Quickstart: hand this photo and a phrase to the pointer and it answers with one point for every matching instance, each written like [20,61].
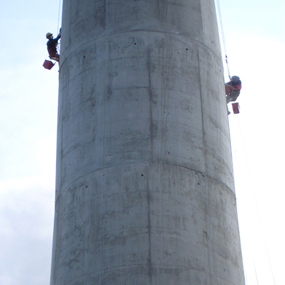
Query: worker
[233,89]
[52,46]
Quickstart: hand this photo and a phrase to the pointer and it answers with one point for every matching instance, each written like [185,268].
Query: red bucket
[235,108]
[48,64]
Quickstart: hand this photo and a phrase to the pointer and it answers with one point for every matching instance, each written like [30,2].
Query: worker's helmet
[236,82]
[48,35]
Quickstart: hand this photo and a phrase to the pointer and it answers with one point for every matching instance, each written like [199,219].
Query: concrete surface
[144,188]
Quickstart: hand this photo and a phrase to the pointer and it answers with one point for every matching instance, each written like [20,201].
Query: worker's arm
[58,36]
[228,89]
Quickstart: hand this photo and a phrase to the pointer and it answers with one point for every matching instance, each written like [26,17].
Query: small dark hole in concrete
[135,43]
[142,175]
[186,48]
[84,56]
[198,183]
[86,186]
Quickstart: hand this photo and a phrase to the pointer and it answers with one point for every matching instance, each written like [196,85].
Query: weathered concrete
[144,190]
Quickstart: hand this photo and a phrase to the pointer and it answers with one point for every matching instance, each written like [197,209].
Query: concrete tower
[144,187]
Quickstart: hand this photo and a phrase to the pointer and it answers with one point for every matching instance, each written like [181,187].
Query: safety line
[256,205]
[220,22]
[58,18]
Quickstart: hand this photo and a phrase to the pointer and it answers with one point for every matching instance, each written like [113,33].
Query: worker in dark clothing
[233,89]
[52,46]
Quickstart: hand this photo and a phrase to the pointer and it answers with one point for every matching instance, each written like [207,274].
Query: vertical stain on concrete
[150,92]
[149,262]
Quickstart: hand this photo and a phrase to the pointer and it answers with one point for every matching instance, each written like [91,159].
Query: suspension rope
[252,188]
[252,192]
[58,18]
[58,21]
[223,36]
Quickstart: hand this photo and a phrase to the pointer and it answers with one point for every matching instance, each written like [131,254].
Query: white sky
[255,42]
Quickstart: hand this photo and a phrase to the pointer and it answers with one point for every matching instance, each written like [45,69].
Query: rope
[58,20]
[252,188]
[252,192]
[58,17]
[228,68]
[223,36]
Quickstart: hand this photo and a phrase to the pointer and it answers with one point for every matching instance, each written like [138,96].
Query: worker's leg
[234,94]
[228,98]
[54,57]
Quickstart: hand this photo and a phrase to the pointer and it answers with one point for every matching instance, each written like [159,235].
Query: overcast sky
[255,42]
